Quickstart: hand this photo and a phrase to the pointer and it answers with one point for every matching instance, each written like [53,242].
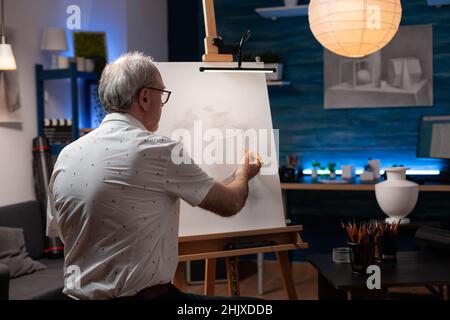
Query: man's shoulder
[162,148]
[77,144]
[156,139]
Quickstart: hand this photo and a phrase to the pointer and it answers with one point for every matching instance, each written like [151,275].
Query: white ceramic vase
[397,196]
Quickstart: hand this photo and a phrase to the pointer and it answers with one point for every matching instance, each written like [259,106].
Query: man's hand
[228,199]
[250,167]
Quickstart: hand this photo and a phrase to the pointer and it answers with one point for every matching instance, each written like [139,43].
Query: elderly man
[114,193]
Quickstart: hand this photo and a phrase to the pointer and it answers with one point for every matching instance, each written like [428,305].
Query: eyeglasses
[165,94]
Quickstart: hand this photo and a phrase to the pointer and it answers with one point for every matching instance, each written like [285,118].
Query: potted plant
[316,166]
[332,168]
[271,60]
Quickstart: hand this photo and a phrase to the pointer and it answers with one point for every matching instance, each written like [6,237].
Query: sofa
[46,284]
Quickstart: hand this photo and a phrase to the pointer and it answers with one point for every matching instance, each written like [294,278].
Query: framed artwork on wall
[399,75]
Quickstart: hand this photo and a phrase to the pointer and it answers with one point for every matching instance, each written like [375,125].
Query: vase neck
[399,175]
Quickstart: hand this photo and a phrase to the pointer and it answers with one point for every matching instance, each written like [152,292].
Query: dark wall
[183,29]
[345,136]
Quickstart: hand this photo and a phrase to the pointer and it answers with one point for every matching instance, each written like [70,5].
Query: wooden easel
[211,51]
[213,246]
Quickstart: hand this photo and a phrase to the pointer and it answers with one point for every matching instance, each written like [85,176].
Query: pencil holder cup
[361,256]
[387,248]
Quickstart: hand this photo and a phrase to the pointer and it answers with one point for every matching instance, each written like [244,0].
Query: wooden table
[412,269]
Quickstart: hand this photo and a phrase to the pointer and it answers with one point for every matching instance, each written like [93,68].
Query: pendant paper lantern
[354,28]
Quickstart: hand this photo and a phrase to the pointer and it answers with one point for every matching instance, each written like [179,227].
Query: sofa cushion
[41,285]
[28,216]
[14,254]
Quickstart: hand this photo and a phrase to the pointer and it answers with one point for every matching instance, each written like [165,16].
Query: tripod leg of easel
[286,274]
[233,276]
[178,280]
[210,277]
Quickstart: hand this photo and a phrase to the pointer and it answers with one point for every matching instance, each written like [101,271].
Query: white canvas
[223,101]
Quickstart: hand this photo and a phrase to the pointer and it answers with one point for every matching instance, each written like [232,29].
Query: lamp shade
[354,28]
[7,61]
[54,39]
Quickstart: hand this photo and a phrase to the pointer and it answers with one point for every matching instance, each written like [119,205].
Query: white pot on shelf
[89,65]
[397,196]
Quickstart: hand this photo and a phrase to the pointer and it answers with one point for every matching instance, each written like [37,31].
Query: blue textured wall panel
[345,136]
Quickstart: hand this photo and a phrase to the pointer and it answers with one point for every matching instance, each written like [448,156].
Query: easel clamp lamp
[217,51]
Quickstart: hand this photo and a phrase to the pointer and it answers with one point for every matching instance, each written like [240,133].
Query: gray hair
[122,78]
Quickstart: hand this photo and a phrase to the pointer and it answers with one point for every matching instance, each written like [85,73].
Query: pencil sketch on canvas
[208,107]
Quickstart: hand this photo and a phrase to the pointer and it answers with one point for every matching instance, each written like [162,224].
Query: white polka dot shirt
[114,201]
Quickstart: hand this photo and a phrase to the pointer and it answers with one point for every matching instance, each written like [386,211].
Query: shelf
[56,74]
[278,83]
[77,79]
[282,12]
[57,148]
[86,130]
[309,184]
[354,187]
